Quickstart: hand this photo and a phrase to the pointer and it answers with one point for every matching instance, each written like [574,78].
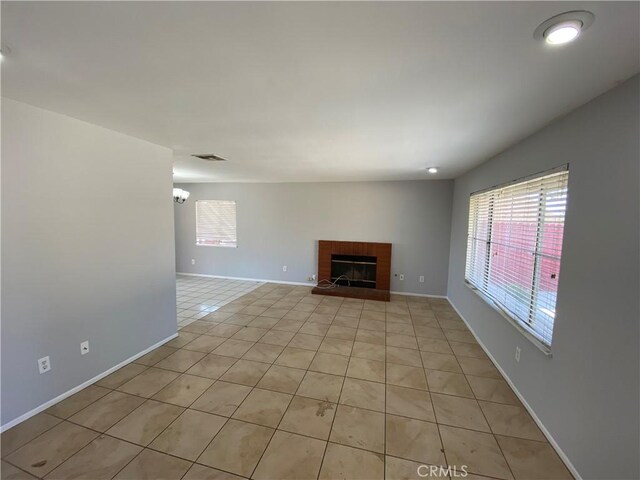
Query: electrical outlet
[311,278]
[193,261]
[44,364]
[401,276]
[84,347]
[518,354]
[284,268]
[421,278]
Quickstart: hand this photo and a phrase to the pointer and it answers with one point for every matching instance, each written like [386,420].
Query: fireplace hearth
[354,269]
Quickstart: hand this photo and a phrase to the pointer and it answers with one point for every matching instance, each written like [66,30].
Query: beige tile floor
[282,384]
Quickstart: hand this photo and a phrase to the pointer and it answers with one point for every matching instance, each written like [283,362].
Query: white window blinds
[514,248]
[216,223]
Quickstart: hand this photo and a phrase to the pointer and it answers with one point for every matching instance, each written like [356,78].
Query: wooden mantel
[382,253]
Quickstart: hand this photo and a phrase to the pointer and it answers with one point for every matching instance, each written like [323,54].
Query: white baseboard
[419,295]
[306,284]
[544,430]
[263,280]
[68,393]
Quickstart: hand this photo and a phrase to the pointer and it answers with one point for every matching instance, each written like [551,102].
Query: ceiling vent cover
[209,157]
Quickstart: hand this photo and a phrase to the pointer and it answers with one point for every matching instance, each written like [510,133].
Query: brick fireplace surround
[327,249]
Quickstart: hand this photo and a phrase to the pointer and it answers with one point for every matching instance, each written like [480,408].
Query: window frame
[516,322]
[235,221]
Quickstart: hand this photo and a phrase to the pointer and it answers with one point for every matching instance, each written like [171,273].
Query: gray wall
[281,223]
[586,394]
[87,252]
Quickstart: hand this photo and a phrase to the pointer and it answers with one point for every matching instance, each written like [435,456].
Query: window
[514,249]
[216,223]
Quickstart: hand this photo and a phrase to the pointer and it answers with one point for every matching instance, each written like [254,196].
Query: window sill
[216,246]
[541,346]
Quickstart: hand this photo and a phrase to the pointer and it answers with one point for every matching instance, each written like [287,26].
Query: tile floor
[282,384]
[199,296]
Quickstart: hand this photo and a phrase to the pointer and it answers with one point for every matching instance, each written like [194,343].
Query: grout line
[22,469]
[335,414]
[433,408]
[384,458]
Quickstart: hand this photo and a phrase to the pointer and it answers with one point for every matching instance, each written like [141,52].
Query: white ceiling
[314,91]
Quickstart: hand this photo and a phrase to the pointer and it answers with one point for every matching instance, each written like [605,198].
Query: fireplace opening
[354,270]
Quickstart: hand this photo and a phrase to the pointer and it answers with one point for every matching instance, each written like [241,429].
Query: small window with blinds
[216,223]
[514,249]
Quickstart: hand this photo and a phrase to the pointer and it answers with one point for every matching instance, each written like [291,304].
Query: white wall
[87,252]
[281,223]
[587,393]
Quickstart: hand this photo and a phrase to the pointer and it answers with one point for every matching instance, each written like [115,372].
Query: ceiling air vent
[210,157]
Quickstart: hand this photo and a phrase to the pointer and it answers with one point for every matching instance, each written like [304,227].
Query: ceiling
[314,91]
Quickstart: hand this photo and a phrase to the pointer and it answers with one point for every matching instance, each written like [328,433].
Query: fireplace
[354,269]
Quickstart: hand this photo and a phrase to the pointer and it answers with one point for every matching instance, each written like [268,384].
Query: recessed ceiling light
[564,28]
[432,170]
[564,32]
